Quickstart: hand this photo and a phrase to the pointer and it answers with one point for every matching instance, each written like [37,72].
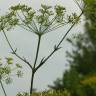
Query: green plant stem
[3,88]
[38,47]
[32,79]
[33,71]
[13,51]
[70,29]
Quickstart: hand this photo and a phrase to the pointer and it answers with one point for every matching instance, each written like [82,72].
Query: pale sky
[26,44]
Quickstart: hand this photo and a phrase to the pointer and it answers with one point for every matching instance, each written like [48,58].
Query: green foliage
[9,69]
[23,94]
[82,58]
[47,93]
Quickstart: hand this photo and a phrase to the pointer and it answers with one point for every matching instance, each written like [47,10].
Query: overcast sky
[26,43]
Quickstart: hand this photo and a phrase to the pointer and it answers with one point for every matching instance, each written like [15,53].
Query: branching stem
[58,45]
[14,52]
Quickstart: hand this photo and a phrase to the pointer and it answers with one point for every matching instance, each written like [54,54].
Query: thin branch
[43,61]
[57,47]
[50,23]
[78,5]
[35,26]
[40,27]
[69,29]
[22,26]
[3,88]
[31,87]
[30,23]
[38,47]
[26,24]
[55,27]
[14,52]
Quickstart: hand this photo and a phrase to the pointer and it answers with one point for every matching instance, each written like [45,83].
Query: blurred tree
[82,58]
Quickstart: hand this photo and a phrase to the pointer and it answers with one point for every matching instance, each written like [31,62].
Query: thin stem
[69,29]
[51,22]
[3,88]
[38,47]
[33,71]
[57,47]
[30,24]
[78,5]
[32,79]
[56,27]
[14,52]
[41,63]
[26,25]
[8,41]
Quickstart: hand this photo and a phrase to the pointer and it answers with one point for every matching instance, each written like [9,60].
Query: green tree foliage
[85,53]
[82,58]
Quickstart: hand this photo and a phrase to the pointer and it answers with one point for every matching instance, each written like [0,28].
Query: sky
[26,43]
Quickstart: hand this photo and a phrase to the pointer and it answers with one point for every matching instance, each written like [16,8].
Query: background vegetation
[79,80]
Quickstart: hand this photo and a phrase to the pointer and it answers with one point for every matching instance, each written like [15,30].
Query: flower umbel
[8,69]
[43,21]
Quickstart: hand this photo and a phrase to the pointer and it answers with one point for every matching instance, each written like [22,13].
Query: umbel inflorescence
[40,22]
